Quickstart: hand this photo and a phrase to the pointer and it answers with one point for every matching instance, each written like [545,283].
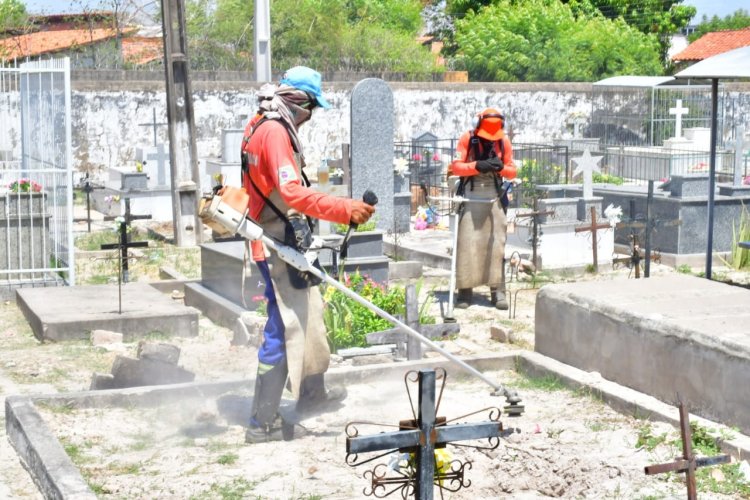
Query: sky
[710,8]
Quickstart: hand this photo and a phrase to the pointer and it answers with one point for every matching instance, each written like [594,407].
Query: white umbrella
[728,65]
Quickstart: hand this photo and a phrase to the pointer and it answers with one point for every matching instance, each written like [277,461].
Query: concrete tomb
[664,336]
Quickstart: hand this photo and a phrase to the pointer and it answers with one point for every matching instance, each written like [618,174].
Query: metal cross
[678,111]
[534,215]
[421,436]
[153,124]
[87,186]
[593,227]
[124,243]
[689,462]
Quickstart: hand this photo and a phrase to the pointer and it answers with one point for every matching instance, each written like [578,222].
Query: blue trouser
[272,366]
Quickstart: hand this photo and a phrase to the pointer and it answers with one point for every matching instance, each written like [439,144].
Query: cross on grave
[535,215]
[587,164]
[678,111]
[161,157]
[647,224]
[593,227]
[124,245]
[406,345]
[154,125]
[689,462]
[421,436]
[88,187]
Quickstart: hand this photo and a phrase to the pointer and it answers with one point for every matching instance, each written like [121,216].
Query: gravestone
[372,146]
[155,161]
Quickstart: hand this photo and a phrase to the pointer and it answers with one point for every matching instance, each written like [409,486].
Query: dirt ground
[566,444]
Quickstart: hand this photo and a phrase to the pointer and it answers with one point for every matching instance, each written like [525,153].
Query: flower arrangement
[24,186]
[336,172]
[400,166]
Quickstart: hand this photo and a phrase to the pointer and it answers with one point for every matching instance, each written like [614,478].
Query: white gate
[36,188]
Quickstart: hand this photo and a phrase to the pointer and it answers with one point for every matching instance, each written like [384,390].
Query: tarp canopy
[732,64]
[634,81]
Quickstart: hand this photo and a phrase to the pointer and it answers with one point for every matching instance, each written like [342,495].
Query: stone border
[58,478]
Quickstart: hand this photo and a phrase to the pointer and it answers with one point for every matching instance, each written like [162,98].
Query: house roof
[142,50]
[731,64]
[45,42]
[714,43]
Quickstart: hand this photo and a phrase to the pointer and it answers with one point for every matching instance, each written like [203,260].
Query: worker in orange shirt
[484,159]
[281,200]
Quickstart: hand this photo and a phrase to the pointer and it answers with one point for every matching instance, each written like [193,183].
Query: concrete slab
[57,477]
[665,336]
[68,313]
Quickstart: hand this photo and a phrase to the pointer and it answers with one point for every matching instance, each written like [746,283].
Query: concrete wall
[109,106]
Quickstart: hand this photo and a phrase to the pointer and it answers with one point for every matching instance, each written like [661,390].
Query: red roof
[142,50]
[714,43]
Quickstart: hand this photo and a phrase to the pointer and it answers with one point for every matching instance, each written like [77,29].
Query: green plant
[24,186]
[227,459]
[740,256]
[348,322]
[684,269]
[607,179]
[647,439]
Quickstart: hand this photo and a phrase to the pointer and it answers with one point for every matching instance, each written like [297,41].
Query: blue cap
[307,79]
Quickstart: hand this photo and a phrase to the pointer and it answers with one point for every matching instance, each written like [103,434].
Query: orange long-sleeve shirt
[272,166]
[465,164]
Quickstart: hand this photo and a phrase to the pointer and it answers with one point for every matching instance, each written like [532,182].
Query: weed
[590,269]
[237,489]
[227,459]
[548,383]
[684,269]
[647,439]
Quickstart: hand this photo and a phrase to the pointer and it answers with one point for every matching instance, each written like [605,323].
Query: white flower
[614,214]
[400,166]
[336,172]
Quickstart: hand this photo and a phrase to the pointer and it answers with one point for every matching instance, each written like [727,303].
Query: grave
[187,416]
[135,310]
[663,336]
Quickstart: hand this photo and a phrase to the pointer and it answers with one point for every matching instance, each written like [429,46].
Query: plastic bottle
[323,172]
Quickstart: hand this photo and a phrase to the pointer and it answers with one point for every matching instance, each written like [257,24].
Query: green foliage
[736,21]
[228,459]
[684,269]
[12,14]
[648,440]
[543,40]
[607,179]
[348,322]
[741,256]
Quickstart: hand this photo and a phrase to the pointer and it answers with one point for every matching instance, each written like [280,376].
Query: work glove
[491,165]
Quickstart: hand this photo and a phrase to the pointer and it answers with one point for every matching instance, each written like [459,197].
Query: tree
[736,21]
[12,15]
[542,40]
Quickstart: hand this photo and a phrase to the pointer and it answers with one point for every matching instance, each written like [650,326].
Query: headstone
[587,164]
[155,162]
[739,150]
[372,146]
[577,123]
[678,111]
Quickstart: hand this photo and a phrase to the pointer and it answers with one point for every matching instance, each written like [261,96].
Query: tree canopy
[543,40]
[12,14]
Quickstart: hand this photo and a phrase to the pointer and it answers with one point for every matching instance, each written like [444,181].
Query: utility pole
[262,31]
[188,228]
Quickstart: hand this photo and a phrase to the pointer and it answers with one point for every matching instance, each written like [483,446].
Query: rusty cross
[593,229]
[688,463]
[421,436]
[535,216]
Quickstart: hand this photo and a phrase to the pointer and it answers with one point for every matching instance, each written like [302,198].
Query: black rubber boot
[498,299]
[463,298]
[265,423]
[314,396]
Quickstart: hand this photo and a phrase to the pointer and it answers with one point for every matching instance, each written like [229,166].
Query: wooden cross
[688,463]
[593,227]
[420,436]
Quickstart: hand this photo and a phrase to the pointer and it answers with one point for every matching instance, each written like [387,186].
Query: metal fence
[36,189]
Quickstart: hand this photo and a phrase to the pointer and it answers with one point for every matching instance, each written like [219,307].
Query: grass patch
[547,383]
[237,489]
[227,459]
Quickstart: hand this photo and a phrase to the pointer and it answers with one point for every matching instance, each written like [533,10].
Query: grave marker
[421,436]
[593,227]
[125,244]
[153,125]
[689,461]
[587,164]
[372,146]
[739,149]
[678,111]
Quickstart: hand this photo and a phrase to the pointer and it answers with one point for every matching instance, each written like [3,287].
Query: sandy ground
[565,445]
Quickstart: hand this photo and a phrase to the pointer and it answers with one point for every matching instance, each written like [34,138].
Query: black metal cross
[88,187]
[535,214]
[688,463]
[421,436]
[154,125]
[593,227]
[125,244]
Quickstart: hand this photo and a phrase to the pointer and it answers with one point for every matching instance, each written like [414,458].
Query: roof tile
[714,43]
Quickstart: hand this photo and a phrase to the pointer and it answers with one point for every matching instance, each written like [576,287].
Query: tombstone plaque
[372,146]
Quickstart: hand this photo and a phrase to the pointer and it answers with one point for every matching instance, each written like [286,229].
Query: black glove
[491,165]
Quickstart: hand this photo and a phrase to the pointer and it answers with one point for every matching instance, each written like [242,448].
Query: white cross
[678,111]
[739,149]
[161,157]
[587,164]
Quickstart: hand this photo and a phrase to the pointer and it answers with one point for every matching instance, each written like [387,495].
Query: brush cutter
[227,213]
